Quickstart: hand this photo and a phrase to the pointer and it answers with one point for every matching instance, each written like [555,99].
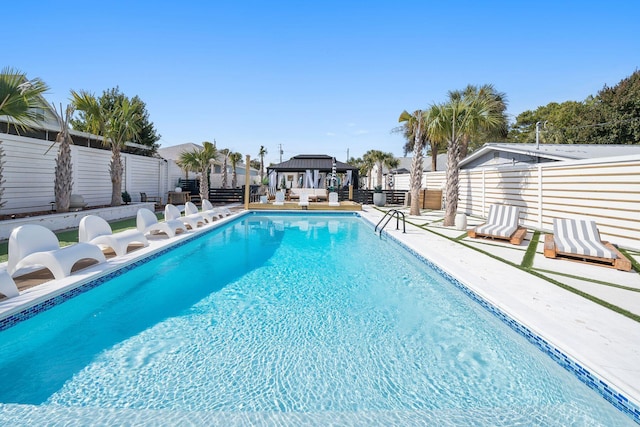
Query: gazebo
[311,171]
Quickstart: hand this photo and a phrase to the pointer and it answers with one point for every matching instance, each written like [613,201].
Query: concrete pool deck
[602,340]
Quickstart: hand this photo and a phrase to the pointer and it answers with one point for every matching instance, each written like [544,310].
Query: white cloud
[331,134]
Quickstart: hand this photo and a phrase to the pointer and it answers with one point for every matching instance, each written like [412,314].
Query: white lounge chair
[35,245]
[147,223]
[279,201]
[191,209]
[208,208]
[7,286]
[579,240]
[333,199]
[97,231]
[304,200]
[192,220]
[502,223]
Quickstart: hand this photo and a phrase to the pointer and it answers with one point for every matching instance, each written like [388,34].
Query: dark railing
[223,196]
[366,196]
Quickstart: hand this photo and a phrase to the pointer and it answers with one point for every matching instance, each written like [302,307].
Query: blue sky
[326,77]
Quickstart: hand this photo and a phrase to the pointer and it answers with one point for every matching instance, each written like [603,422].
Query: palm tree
[64,173]
[200,160]
[499,105]
[368,162]
[116,124]
[383,160]
[234,158]
[463,115]
[261,154]
[415,122]
[225,152]
[20,101]
[434,146]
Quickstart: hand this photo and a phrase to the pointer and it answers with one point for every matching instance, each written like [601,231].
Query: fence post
[247,182]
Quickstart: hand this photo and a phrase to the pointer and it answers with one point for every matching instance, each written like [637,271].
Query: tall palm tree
[383,160]
[261,153]
[234,158]
[498,100]
[116,124]
[200,160]
[63,183]
[224,152]
[20,102]
[415,122]
[368,162]
[452,121]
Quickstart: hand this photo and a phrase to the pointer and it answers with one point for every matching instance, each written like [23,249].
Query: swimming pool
[285,319]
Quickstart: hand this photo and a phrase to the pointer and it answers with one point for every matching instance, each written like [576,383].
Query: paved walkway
[552,298]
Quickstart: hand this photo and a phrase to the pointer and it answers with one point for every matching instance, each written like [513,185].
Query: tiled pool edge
[91,283]
[617,399]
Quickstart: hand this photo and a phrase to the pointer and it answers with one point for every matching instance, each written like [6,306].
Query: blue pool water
[284,319]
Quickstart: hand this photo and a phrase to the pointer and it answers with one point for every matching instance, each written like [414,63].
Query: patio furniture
[97,231]
[192,220]
[191,209]
[333,199]
[34,245]
[208,208]
[304,201]
[279,198]
[7,286]
[147,223]
[178,197]
[579,240]
[145,198]
[502,223]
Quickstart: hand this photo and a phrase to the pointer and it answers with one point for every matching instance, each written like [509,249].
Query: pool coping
[620,394]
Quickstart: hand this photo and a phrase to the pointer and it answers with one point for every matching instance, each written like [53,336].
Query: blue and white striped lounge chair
[579,240]
[502,223]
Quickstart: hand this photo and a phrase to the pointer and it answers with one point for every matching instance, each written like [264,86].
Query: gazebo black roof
[302,162]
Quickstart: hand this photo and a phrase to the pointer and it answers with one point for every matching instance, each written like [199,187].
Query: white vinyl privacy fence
[605,190]
[29,174]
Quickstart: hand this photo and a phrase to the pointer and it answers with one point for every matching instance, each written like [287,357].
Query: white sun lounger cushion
[171,212]
[97,231]
[35,245]
[502,221]
[147,223]
[580,237]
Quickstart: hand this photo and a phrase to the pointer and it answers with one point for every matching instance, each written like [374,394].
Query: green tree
[234,158]
[116,124]
[618,113]
[416,123]
[261,153]
[464,114]
[200,160]
[147,134]
[22,103]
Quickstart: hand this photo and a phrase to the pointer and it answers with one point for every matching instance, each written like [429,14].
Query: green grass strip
[586,279]
[527,260]
[634,263]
